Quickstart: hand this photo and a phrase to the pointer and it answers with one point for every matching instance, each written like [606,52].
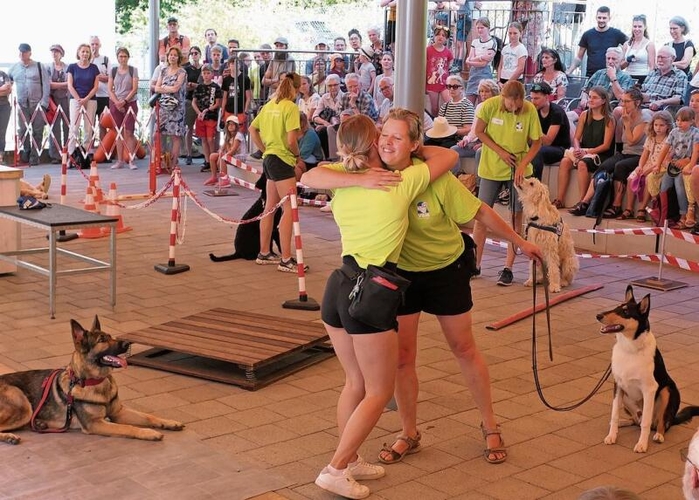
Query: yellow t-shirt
[372,222]
[274,121]
[434,240]
[510,131]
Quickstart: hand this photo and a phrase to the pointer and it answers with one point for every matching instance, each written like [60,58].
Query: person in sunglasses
[459,110]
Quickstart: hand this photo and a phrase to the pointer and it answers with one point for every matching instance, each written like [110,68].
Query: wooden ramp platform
[241,348]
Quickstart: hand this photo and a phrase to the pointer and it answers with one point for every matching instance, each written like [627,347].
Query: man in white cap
[281,64]
[32,87]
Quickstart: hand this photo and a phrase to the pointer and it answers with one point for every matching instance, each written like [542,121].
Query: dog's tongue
[114,361]
[611,328]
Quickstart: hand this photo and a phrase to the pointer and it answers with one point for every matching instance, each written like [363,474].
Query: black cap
[171,19]
[25,47]
[541,88]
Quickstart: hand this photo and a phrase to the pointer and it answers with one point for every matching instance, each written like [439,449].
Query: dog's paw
[172,425]
[641,447]
[150,435]
[529,282]
[554,288]
[658,438]
[610,439]
[10,438]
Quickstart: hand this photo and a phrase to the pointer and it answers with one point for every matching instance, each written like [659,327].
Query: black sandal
[579,209]
[626,214]
[611,212]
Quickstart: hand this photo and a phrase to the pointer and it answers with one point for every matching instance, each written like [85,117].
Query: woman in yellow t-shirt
[275,131]
[372,223]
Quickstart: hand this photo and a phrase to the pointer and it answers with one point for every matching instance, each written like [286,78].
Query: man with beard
[281,64]
[664,86]
[596,41]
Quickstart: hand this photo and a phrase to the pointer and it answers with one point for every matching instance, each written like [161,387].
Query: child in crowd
[439,59]
[682,147]
[366,71]
[480,58]
[658,129]
[234,145]
[206,103]
[514,56]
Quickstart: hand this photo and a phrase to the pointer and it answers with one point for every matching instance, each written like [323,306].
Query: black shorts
[102,104]
[442,292]
[276,169]
[335,308]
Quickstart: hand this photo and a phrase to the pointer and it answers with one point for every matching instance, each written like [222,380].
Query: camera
[630,58]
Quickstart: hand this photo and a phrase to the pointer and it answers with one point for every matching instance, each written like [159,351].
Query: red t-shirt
[438,64]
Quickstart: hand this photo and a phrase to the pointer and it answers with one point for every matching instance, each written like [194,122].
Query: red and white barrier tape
[643,231]
[152,199]
[233,222]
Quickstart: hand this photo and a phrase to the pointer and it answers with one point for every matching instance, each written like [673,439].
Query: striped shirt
[458,114]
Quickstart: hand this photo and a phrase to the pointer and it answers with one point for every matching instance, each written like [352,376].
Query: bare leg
[563,178]
[583,178]
[479,232]
[286,223]
[459,335]
[267,223]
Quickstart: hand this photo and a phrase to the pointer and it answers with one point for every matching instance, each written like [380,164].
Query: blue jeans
[547,155]
[667,182]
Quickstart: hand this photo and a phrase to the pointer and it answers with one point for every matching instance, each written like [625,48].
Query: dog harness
[47,384]
[557,229]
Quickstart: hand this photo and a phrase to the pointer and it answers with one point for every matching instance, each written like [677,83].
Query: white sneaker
[119,164]
[343,485]
[133,166]
[361,469]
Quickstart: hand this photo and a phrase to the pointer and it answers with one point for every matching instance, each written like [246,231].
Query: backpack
[497,47]
[602,185]
[114,71]
[166,41]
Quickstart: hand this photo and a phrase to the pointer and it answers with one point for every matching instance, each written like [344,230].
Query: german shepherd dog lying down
[247,236]
[642,386]
[47,400]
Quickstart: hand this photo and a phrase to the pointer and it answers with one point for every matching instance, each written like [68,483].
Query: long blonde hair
[288,87]
[355,138]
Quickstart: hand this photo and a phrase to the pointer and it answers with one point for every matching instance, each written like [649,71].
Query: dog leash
[47,385]
[535,370]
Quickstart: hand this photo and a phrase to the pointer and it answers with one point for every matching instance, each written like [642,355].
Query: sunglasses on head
[537,87]
[453,87]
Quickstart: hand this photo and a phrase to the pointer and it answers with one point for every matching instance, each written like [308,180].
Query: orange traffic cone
[91,232]
[95,181]
[113,210]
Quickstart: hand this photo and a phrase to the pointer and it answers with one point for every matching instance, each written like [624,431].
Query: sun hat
[440,129]
[367,51]
[58,48]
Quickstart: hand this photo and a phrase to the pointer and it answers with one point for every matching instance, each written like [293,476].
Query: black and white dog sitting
[643,388]
[247,236]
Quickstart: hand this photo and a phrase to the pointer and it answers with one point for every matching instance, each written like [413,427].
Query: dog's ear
[629,294]
[96,324]
[644,305]
[79,334]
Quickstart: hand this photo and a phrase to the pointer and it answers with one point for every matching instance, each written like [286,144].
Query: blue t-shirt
[596,43]
[83,78]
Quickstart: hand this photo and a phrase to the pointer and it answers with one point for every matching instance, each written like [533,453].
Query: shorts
[190,116]
[102,104]
[127,119]
[276,169]
[205,128]
[488,192]
[463,26]
[334,310]
[442,292]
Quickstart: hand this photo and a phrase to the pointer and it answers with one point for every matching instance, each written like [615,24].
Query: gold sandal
[493,451]
[413,447]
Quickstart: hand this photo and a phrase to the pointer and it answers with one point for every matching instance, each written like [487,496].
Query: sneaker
[256,155]
[205,167]
[290,266]
[132,166]
[361,469]
[504,196]
[188,161]
[505,277]
[224,181]
[343,485]
[119,164]
[267,259]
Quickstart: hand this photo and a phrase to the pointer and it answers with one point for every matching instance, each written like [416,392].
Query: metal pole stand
[660,283]
[171,267]
[303,303]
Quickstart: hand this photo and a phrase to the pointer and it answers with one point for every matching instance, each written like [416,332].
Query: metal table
[55,219]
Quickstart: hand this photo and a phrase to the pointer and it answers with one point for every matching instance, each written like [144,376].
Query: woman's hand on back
[380,178]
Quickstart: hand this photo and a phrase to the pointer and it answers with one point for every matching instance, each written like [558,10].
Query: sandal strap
[411,442]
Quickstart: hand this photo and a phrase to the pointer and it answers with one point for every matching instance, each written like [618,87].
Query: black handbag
[154,99]
[376,297]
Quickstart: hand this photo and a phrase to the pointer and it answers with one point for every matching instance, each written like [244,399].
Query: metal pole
[154,23]
[411,40]
[662,250]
